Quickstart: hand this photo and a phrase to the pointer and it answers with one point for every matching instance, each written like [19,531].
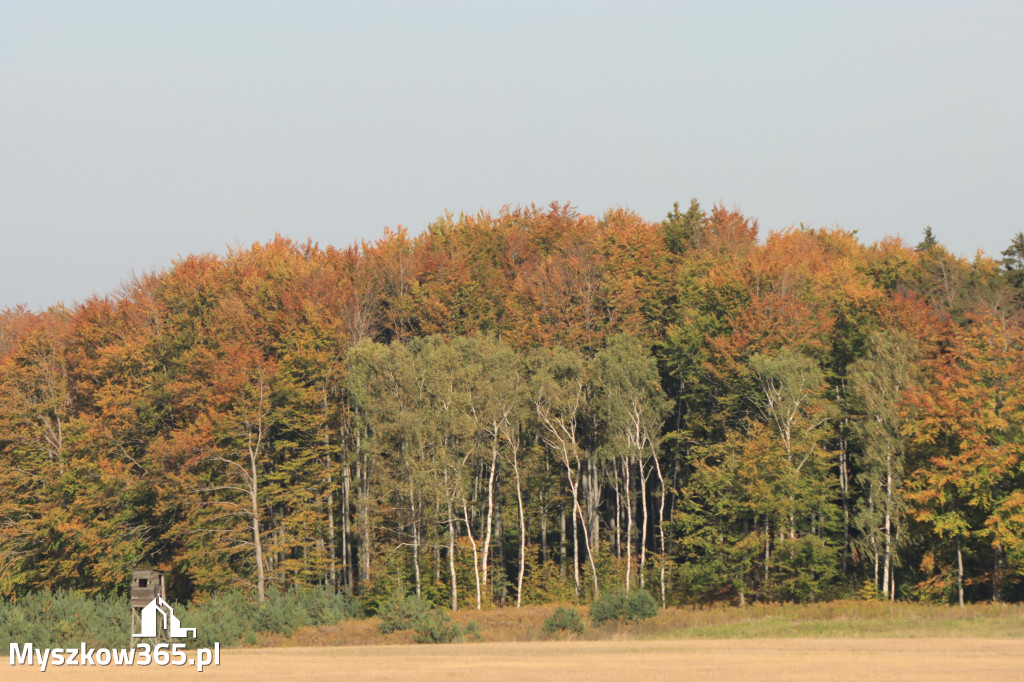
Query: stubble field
[590,661]
[849,640]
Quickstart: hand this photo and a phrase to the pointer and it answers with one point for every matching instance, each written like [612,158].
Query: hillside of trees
[529,407]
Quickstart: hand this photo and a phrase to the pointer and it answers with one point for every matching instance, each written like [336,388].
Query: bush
[641,606]
[564,620]
[234,618]
[400,613]
[611,605]
[618,605]
[436,627]
[430,624]
[473,632]
[65,619]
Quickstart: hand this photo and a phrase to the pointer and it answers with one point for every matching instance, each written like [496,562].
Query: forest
[529,407]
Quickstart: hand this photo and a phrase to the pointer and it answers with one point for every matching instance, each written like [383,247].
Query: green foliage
[747,398]
[436,627]
[285,612]
[65,619]
[682,230]
[402,613]
[610,606]
[234,618]
[430,624]
[473,632]
[564,620]
[641,606]
[226,617]
[614,605]
[1013,263]
[544,582]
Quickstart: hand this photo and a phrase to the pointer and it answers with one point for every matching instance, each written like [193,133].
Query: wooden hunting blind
[147,585]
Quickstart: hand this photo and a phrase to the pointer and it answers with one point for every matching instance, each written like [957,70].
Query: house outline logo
[171,625]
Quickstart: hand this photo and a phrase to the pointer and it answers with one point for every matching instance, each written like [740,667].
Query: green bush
[611,605]
[65,619]
[618,605]
[233,618]
[402,613]
[473,632]
[227,617]
[436,627]
[564,620]
[641,606]
[430,624]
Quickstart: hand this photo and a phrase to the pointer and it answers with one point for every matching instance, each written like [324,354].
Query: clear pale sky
[131,132]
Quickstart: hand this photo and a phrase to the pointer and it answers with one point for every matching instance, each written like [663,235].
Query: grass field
[831,641]
[705,660]
[838,619]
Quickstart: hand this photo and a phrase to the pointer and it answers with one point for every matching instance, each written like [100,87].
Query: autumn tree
[967,422]
[633,407]
[878,383]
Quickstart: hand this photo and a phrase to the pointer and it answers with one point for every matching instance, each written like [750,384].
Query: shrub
[473,632]
[611,605]
[564,620]
[641,606]
[436,627]
[869,591]
[618,605]
[234,617]
[63,619]
[400,613]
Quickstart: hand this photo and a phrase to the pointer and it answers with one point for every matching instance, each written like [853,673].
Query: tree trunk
[415,536]
[257,539]
[451,547]
[364,513]
[887,566]
[522,535]
[346,546]
[661,532]
[490,510]
[562,542]
[960,572]
[643,531]
[575,543]
[997,575]
[618,513]
[629,525]
[476,559]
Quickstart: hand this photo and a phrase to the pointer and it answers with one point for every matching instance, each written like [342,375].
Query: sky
[135,132]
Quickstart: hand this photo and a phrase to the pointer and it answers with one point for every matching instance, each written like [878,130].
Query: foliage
[535,405]
[473,632]
[402,613]
[436,627]
[614,605]
[64,618]
[429,623]
[641,606]
[564,620]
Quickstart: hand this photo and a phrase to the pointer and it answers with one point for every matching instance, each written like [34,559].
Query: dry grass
[707,660]
[832,619]
[833,641]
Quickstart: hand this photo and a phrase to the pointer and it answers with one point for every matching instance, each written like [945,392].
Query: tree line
[526,407]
